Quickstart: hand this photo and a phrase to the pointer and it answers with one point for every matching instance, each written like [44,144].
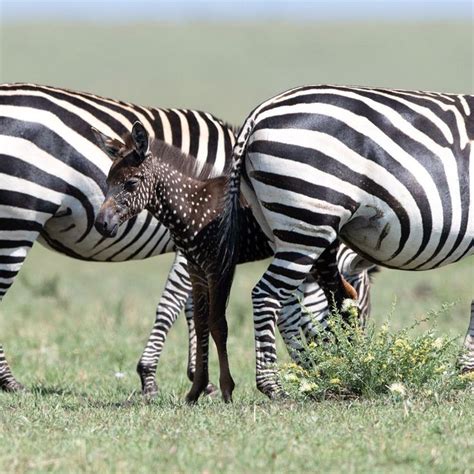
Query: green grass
[81,417]
[69,326]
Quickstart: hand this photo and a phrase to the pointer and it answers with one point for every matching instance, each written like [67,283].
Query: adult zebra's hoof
[150,390]
[278,395]
[147,379]
[273,392]
[13,387]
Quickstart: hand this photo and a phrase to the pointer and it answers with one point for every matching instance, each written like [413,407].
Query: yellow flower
[438,343]
[402,344]
[307,387]
[291,377]
[467,376]
[368,358]
[335,381]
[398,388]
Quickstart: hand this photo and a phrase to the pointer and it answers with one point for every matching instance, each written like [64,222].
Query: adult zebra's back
[389,172]
[46,130]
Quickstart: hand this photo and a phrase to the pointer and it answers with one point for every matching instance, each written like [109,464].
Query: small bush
[355,363]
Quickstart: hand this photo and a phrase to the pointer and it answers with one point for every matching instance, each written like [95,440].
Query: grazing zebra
[389,172]
[52,180]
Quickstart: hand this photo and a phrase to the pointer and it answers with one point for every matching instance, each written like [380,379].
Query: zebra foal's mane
[169,155]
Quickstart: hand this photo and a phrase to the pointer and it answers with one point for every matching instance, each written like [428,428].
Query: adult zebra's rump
[388,172]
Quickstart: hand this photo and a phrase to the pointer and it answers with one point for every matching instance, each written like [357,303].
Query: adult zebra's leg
[284,275]
[188,313]
[12,256]
[297,317]
[176,293]
[340,294]
[8,382]
[288,270]
[466,361]
[314,311]
[289,323]
[361,284]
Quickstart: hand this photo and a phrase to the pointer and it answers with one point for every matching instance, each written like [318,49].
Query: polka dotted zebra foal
[149,174]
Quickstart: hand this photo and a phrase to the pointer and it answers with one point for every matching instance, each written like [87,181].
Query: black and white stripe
[52,181]
[389,172]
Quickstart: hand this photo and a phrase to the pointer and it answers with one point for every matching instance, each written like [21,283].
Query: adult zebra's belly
[71,232]
[408,243]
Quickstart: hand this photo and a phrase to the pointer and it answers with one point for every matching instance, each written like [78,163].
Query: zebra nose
[107,223]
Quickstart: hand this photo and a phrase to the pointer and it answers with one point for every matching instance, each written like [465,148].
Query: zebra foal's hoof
[211,390]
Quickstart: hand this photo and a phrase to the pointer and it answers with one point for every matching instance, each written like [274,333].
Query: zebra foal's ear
[111,146]
[141,140]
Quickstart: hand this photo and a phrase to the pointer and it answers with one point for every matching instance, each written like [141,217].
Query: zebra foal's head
[129,182]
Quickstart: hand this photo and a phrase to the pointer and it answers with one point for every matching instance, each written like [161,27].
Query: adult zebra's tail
[229,224]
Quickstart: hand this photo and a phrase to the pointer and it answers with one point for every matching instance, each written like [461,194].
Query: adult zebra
[52,178]
[389,172]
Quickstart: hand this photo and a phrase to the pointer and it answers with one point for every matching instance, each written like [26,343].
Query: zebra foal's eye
[131,184]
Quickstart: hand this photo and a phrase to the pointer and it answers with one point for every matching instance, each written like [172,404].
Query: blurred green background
[227,68]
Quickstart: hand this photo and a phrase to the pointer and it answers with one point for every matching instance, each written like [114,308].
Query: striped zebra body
[52,177]
[52,181]
[389,172]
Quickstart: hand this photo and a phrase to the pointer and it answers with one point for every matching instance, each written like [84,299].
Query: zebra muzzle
[107,221]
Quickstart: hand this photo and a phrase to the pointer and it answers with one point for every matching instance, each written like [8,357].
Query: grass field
[68,327]
[93,323]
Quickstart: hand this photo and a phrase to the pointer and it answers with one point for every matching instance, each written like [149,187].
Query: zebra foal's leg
[219,289]
[176,293]
[188,312]
[200,290]
[12,256]
[466,361]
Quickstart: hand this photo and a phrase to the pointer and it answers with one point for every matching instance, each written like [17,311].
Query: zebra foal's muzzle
[107,221]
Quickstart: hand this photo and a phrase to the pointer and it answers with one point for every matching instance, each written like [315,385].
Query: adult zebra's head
[129,182]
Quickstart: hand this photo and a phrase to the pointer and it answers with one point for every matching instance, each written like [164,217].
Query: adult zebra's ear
[141,140]
[111,146]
